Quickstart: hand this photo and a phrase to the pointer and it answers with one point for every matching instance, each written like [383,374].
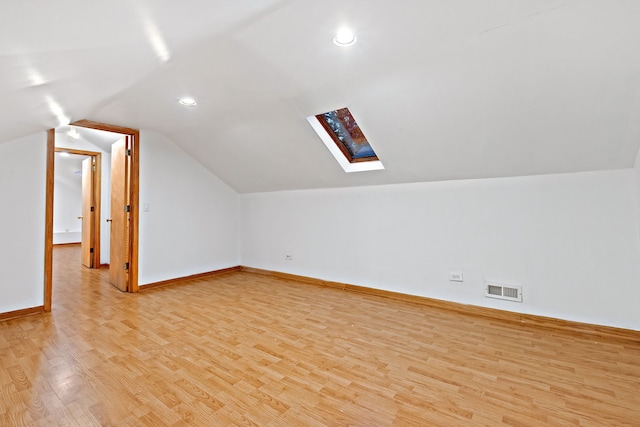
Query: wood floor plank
[251,350]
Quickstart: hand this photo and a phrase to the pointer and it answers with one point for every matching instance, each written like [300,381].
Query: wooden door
[88,212]
[120,215]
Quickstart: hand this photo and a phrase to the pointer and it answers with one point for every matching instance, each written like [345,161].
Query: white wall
[64,237]
[105,189]
[636,173]
[570,240]
[22,218]
[192,221]
[67,205]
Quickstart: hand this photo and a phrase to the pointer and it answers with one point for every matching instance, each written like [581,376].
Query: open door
[88,212]
[129,278]
[120,214]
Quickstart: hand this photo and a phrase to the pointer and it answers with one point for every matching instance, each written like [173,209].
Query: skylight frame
[341,145]
[337,148]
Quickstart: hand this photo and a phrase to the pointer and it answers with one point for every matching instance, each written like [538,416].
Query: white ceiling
[447,89]
[99,138]
[68,169]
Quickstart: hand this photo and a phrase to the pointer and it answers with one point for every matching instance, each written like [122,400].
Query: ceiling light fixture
[64,154]
[188,101]
[344,37]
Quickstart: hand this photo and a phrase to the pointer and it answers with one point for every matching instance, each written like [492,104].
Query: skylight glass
[345,140]
[344,130]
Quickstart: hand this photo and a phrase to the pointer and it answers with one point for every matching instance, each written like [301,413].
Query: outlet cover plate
[455,276]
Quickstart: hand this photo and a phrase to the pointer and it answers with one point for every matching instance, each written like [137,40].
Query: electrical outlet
[288,257]
[455,276]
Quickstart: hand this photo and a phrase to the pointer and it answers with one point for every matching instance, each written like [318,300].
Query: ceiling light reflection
[73,134]
[151,30]
[57,111]
[157,41]
[35,78]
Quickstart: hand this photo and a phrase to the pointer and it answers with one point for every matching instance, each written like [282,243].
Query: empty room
[297,213]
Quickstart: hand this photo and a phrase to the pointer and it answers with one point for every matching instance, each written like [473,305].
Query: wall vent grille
[496,290]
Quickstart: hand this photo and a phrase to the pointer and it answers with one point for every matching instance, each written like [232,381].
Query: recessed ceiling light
[64,154]
[188,101]
[345,37]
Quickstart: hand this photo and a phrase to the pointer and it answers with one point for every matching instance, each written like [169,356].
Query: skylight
[345,140]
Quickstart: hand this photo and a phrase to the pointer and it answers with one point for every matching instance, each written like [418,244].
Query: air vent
[496,290]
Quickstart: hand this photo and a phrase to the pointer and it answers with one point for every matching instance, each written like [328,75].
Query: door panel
[88,212]
[119,250]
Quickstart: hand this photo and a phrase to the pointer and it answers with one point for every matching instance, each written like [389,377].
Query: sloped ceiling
[444,90]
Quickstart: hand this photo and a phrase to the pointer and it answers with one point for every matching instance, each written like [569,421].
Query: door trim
[134,192]
[97,194]
[134,198]
[48,222]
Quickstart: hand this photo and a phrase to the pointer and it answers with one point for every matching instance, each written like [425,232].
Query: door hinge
[93,168]
[91,250]
[92,208]
[126,265]
[127,208]
[129,152]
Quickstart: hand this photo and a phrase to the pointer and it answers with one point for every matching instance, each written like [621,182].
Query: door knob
[109,219]
[79,217]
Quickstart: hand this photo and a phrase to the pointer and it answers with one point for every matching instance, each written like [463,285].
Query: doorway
[78,179]
[128,269]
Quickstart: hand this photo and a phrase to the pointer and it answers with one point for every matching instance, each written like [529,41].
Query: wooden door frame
[134,200]
[97,194]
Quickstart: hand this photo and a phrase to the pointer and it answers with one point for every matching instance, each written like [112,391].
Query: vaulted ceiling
[446,89]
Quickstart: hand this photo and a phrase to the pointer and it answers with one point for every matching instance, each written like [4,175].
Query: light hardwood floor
[245,349]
